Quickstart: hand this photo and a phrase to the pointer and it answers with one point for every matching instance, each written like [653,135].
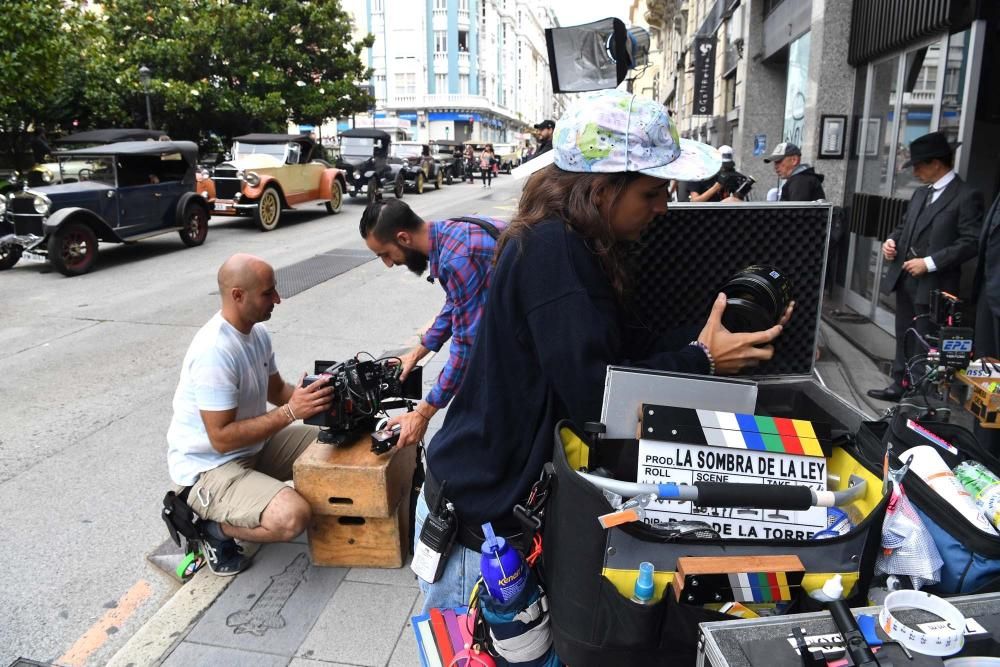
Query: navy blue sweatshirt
[551,327]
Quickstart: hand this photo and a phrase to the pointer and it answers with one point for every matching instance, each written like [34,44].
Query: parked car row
[123,191]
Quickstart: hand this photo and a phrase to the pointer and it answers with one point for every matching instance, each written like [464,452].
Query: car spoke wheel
[268,211]
[336,197]
[195,229]
[399,186]
[449,179]
[9,256]
[419,187]
[373,192]
[73,249]
[438,180]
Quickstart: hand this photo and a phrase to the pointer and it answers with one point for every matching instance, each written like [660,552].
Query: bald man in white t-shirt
[224,443]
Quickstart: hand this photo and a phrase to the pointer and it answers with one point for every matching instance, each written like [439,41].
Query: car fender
[103,230]
[206,186]
[254,192]
[182,204]
[326,180]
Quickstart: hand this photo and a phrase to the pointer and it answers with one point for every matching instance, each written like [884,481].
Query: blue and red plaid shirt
[461,259]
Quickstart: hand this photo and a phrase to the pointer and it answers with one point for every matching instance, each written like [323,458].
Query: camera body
[361,388]
[954,341]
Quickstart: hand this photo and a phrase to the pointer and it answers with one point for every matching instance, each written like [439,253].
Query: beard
[414,261]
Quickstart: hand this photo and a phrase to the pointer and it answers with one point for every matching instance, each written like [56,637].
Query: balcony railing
[448,101]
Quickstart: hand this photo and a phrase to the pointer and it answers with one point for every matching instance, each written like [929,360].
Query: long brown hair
[554,194]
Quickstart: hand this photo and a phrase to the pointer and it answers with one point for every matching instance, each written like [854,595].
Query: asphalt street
[89,365]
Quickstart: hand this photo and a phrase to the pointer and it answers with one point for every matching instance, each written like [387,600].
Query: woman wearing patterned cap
[554,318]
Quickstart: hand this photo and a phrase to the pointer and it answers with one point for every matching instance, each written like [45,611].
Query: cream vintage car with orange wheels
[271,173]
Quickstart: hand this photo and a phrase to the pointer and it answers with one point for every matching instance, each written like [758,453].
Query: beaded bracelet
[708,355]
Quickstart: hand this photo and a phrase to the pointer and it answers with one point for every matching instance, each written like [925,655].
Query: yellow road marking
[97,635]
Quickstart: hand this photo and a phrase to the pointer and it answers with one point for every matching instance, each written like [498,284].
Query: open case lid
[687,256]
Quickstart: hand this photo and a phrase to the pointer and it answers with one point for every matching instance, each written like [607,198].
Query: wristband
[288,413]
[708,355]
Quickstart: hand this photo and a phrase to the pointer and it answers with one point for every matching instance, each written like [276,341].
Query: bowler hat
[929,147]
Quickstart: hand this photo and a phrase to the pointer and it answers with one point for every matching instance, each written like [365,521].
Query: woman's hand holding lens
[734,352]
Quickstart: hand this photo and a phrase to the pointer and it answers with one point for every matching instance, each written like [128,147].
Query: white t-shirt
[223,369]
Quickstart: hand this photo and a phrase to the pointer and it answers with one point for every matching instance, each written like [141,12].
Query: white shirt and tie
[936,189]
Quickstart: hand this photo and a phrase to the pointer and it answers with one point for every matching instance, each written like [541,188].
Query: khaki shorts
[238,492]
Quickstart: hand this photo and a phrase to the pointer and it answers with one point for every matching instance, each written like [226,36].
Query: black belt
[471,536]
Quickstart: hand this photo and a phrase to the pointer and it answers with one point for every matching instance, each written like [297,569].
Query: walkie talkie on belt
[430,555]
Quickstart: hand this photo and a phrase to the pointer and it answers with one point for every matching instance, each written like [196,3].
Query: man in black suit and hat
[926,251]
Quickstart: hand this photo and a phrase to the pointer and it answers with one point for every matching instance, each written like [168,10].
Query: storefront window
[797,90]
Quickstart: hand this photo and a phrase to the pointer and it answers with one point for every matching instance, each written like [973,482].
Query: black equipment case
[684,260]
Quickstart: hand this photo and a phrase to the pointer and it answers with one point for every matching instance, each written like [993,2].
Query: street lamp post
[144,73]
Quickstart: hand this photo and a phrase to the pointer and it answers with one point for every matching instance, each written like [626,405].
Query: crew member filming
[556,317]
[225,447]
[458,254]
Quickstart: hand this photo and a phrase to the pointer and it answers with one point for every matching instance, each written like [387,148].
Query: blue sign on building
[454,115]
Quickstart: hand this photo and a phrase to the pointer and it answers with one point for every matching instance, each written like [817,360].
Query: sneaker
[225,557]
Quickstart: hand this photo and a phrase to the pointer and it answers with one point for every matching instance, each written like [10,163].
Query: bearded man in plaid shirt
[458,253]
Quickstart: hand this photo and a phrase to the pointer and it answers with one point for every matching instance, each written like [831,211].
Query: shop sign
[704,75]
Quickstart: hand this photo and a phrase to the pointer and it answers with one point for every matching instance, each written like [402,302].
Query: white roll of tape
[948,642]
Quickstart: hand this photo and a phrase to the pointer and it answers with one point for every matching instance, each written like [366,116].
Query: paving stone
[306,662]
[402,576]
[407,653]
[361,625]
[272,606]
[188,653]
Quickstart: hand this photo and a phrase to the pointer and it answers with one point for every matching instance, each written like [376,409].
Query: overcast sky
[575,12]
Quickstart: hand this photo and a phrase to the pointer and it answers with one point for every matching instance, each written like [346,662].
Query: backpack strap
[482,224]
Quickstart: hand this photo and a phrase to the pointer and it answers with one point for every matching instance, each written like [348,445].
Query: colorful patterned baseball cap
[612,131]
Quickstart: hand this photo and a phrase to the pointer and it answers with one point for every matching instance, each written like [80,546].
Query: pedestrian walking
[486,165]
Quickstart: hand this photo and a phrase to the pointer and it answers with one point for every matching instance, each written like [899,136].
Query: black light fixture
[144,77]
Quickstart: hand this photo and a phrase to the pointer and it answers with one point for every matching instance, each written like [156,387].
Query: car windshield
[277,151]
[359,146]
[407,150]
[100,169]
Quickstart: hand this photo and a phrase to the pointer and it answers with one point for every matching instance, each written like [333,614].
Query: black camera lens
[756,298]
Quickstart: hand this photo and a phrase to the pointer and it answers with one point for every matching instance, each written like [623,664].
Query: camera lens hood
[756,298]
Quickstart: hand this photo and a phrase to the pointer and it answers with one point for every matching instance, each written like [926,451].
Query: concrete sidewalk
[283,611]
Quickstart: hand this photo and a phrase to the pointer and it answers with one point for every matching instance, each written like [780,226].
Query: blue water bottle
[504,571]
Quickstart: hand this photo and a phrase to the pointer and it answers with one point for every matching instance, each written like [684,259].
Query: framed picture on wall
[833,132]
[873,139]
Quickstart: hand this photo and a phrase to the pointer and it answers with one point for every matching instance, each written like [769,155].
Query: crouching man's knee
[287,515]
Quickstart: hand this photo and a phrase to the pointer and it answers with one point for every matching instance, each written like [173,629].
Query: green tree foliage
[44,47]
[230,66]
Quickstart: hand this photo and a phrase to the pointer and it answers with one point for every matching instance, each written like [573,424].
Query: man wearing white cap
[555,318]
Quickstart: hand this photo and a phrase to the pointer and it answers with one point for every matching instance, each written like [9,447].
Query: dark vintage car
[269,173]
[126,192]
[414,167]
[65,171]
[364,156]
[449,154]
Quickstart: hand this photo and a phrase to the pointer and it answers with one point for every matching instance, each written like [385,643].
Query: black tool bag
[595,625]
[971,556]
[181,520]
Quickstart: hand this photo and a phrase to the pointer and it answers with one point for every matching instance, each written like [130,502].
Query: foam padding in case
[687,256]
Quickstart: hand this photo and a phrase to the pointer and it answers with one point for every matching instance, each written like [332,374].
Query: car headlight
[252,179]
[42,204]
[202,175]
[3,205]
[204,194]
[46,176]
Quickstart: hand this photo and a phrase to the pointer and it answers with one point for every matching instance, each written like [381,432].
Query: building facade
[465,70]
[852,83]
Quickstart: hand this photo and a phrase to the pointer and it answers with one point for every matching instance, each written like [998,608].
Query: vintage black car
[126,192]
[364,156]
[413,165]
[50,173]
[449,154]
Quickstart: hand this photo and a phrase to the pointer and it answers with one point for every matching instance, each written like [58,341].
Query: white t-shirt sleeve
[216,382]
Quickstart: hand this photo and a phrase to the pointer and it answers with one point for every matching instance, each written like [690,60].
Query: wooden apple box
[349,480]
[360,503]
[353,541]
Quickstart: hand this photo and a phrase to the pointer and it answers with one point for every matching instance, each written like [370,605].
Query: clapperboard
[687,446]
